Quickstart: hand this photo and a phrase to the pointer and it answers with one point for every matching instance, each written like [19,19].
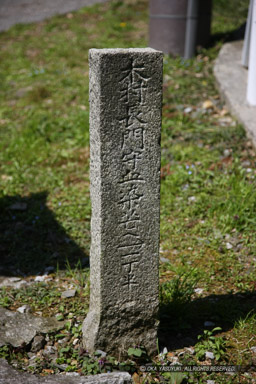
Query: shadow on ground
[225,37]
[181,323]
[31,239]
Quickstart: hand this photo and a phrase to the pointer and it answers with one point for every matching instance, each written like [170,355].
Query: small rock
[68,293]
[199,291]
[24,309]
[15,282]
[209,355]
[41,278]
[253,349]
[49,349]
[209,324]
[229,246]
[210,382]
[101,353]
[164,260]
[32,361]
[188,110]
[62,367]
[38,343]
[226,152]
[19,206]
[65,340]
[185,187]
[75,341]
[190,350]
[224,121]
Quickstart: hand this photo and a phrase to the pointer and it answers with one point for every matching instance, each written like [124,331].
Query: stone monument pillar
[125,125]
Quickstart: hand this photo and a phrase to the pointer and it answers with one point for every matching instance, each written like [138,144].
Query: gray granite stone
[18,329]
[125,127]
[9,375]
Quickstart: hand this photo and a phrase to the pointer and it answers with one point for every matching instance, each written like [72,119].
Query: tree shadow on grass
[31,239]
[181,323]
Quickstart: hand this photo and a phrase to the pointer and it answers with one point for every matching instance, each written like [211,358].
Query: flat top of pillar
[115,51]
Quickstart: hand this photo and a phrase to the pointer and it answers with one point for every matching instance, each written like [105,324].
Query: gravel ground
[27,11]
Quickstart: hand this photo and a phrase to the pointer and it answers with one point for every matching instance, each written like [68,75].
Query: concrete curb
[231,78]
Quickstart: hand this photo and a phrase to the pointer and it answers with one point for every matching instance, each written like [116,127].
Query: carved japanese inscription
[125,124]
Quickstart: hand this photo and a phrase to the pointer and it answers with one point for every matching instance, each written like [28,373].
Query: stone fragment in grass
[68,293]
[14,282]
[209,355]
[13,331]
[101,353]
[24,309]
[40,278]
[38,343]
[191,199]
[190,350]
[164,260]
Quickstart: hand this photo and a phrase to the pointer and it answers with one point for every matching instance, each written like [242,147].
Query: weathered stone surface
[19,328]
[125,125]
[9,375]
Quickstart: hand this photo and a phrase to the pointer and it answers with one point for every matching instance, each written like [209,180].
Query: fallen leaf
[207,104]
[136,378]
[48,371]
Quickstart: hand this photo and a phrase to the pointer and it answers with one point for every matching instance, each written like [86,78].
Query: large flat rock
[231,78]
[17,329]
[9,375]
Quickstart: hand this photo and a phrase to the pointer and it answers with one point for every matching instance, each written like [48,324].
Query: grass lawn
[208,194]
